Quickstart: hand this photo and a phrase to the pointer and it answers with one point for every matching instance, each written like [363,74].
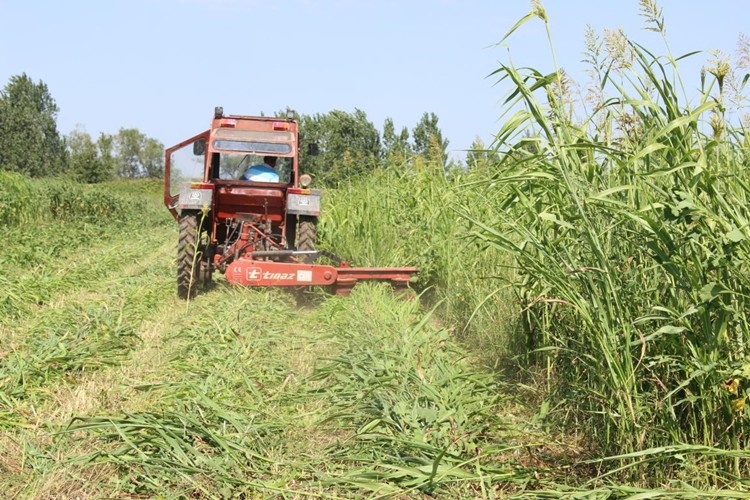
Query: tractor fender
[194,199]
[303,202]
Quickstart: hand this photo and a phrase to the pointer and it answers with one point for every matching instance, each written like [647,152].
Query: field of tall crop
[603,256]
[579,330]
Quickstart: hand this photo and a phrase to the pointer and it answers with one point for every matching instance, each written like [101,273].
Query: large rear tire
[307,233]
[192,269]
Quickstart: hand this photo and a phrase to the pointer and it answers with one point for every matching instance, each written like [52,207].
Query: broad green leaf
[735,236]
[711,291]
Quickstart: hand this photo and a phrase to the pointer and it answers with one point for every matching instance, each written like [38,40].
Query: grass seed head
[618,48]
[654,16]
[538,10]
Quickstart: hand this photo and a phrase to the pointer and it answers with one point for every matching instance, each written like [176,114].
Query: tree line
[31,144]
[349,144]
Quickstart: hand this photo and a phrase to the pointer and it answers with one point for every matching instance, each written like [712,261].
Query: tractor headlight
[305,180]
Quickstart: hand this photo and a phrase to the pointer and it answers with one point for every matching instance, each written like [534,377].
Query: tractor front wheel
[191,268]
[307,233]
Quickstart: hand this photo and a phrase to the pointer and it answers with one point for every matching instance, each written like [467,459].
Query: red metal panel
[265,273]
[233,198]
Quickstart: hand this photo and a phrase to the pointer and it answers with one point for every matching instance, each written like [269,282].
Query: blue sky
[162,65]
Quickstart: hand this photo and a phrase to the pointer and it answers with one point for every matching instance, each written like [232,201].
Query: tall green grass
[630,231]
[623,232]
[24,200]
[414,215]
[17,195]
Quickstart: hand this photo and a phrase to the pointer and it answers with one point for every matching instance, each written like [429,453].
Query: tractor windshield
[233,166]
[253,147]
[254,141]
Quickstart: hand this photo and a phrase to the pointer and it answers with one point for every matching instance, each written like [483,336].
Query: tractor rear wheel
[191,268]
[307,233]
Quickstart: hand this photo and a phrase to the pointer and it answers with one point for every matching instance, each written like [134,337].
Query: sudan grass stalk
[605,231]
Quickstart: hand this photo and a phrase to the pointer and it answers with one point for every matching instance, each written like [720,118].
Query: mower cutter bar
[267,273]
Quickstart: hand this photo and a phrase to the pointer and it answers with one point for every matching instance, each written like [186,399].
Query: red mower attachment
[342,279]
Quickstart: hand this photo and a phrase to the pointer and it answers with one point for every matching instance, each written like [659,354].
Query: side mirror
[199,147]
[313,149]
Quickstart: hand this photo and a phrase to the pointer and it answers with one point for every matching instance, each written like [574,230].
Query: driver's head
[269,160]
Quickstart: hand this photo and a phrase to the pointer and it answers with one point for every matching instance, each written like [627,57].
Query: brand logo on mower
[257,274]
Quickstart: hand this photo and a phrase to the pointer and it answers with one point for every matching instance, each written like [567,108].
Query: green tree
[86,164]
[349,145]
[138,155]
[152,158]
[105,145]
[428,139]
[396,148]
[479,157]
[29,140]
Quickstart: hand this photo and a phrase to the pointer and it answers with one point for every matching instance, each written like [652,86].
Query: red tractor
[260,231]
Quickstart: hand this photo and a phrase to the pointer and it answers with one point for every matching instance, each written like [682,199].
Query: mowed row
[111,386]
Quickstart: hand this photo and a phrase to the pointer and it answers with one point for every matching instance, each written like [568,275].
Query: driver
[263,172]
